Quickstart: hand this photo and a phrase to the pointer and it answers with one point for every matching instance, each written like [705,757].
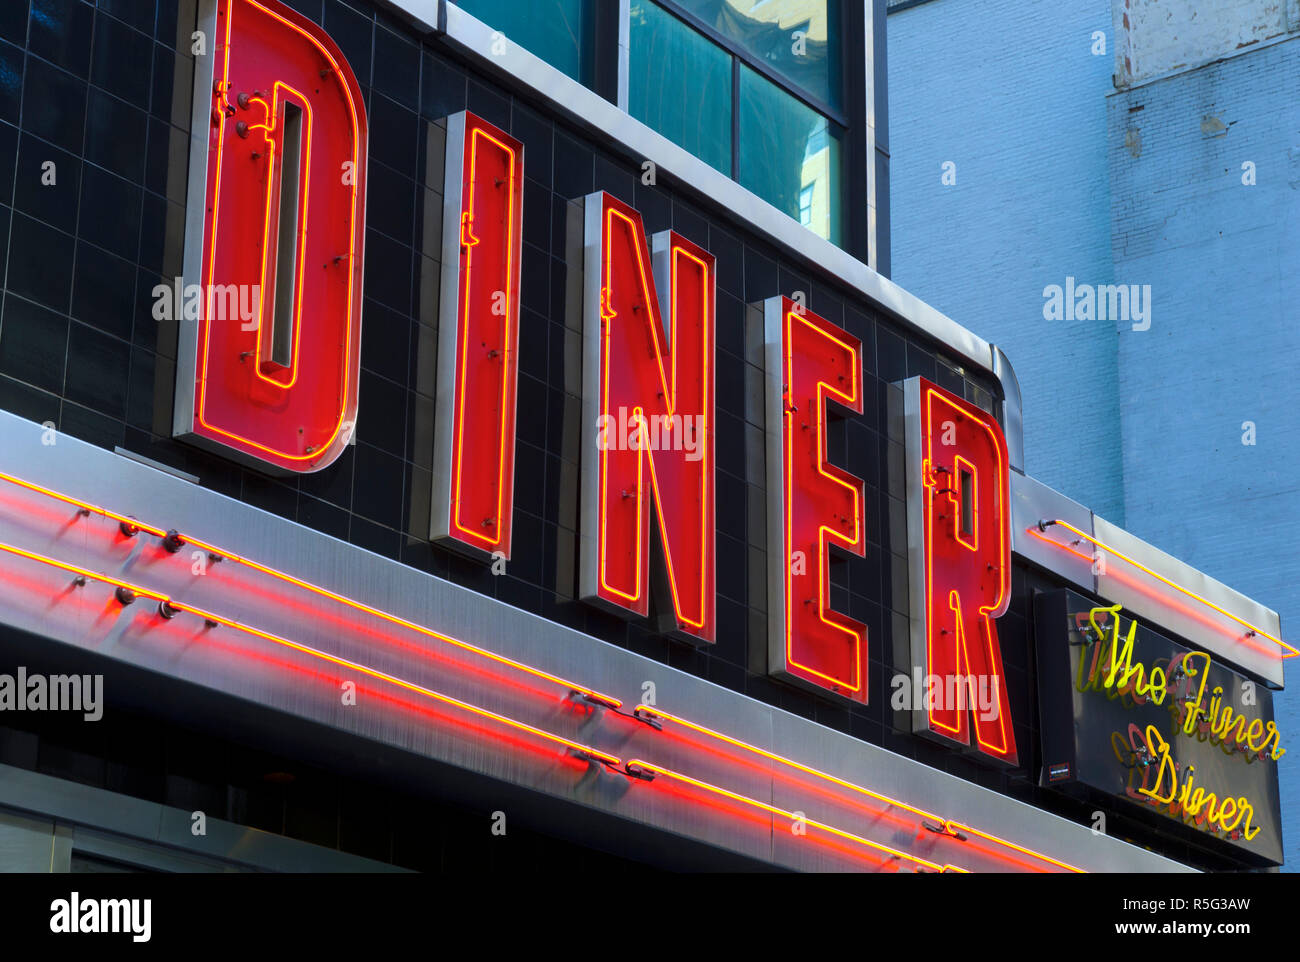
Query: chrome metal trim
[196,198]
[624,52]
[777,549]
[1031,502]
[589,455]
[95,475]
[1240,653]
[869,92]
[918,614]
[440,505]
[1013,425]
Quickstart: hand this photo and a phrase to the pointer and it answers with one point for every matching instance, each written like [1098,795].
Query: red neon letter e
[812,504]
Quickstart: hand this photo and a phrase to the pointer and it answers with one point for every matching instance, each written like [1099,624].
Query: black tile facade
[103,93]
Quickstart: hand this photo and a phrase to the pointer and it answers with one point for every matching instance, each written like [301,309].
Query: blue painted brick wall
[1224,263]
[1143,427]
[1010,92]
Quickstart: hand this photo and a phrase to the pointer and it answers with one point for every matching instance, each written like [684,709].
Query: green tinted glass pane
[799,39]
[679,83]
[789,155]
[558,31]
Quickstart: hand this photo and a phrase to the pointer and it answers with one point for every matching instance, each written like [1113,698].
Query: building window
[797,39]
[680,84]
[786,150]
[561,32]
[751,87]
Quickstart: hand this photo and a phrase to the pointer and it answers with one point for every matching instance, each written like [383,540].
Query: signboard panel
[1131,716]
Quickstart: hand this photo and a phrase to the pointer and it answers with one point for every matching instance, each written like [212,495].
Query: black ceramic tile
[536,134]
[332,484]
[48,193]
[89,425]
[110,211]
[8,162]
[390,203]
[60,32]
[352,32]
[730,320]
[530,417]
[388,272]
[574,173]
[98,370]
[920,362]
[163,83]
[138,13]
[115,135]
[534,337]
[27,401]
[103,291]
[688,222]
[728,252]
[120,60]
[54,105]
[489,103]
[40,263]
[537,214]
[11,82]
[33,344]
[171,18]
[382,418]
[140,390]
[443,87]
[13,22]
[377,486]
[323,517]
[654,204]
[377,538]
[761,279]
[397,68]
[615,178]
[385,342]
[266,493]
[393,131]
[311,9]
[891,356]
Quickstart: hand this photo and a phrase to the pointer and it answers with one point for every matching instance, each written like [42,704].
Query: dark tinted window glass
[680,84]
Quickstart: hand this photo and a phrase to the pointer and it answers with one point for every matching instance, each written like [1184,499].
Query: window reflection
[789,155]
[561,32]
[799,39]
[680,84]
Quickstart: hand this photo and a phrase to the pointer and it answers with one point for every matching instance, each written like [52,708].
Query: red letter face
[648,417]
[958,492]
[270,305]
[478,361]
[812,504]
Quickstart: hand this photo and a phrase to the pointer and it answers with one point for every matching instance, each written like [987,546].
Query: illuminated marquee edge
[81,470]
